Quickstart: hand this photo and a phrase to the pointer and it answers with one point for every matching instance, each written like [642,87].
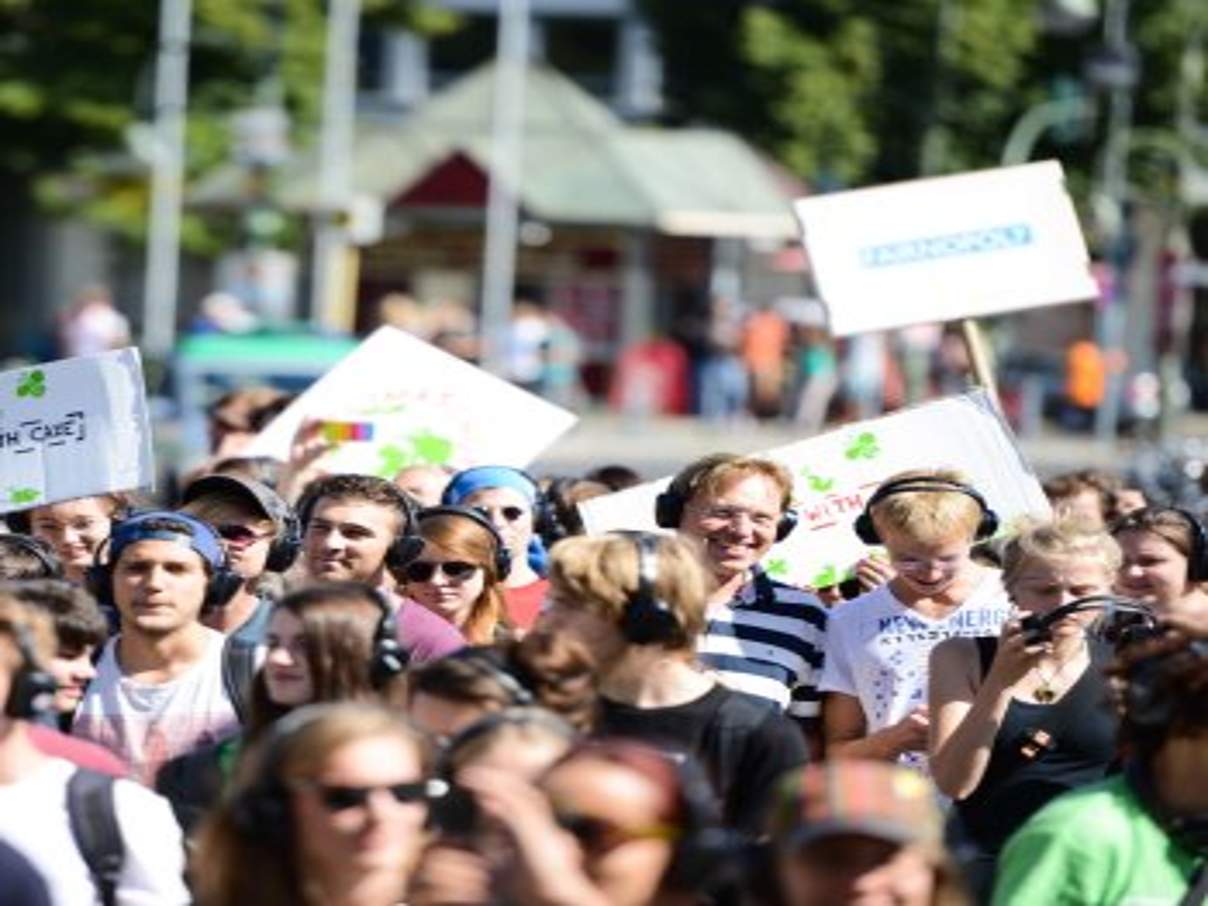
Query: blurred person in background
[458,574]
[74,529]
[1165,561]
[564,496]
[856,832]
[637,603]
[512,500]
[328,642]
[721,378]
[616,476]
[765,338]
[236,417]
[260,535]
[23,557]
[1139,836]
[425,484]
[1087,495]
[817,376]
[1015,723]
[328,808]
[92,324]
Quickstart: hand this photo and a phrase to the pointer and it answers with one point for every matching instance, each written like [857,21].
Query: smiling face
[736,524]
[286,665]
[347,540]
[73,671]
[74,529]
[1153,571]
[159,586]
[926,568]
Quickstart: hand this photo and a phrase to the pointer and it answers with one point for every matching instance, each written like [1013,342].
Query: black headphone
[389,658]
[32,690]
[669,505]
[1197,557]
[867,532]
[544,519]
[287,534]
[262,810]
[38,549]
[222,583]
[502,556]
[406,545]
[647,619]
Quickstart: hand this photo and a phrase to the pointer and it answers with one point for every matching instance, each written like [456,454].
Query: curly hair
[1162,690]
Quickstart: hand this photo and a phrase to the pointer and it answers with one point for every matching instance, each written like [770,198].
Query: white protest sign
[835,473]
[397,401]
[74,428]
[946,248]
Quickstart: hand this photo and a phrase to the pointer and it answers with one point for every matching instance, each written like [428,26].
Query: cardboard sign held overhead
[946,248]
[835,473]
[397,401]
[73,428]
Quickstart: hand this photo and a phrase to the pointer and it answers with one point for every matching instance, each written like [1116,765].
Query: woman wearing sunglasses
[1017,720]
[511,500]
[328,809]
[319,645]
[459,573]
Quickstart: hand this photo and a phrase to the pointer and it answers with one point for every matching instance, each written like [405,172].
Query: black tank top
[1081,727]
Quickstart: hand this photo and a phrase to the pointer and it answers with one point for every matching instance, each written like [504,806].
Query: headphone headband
[648,619]
[866,529]
[502,557]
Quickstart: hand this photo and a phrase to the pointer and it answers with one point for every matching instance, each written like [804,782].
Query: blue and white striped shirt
[768,642]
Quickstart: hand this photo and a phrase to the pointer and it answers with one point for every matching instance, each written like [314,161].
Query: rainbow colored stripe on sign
[342,432]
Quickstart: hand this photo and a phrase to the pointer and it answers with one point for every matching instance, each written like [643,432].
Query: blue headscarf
[479,478]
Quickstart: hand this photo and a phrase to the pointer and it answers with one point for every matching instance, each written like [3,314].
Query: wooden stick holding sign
[980,359]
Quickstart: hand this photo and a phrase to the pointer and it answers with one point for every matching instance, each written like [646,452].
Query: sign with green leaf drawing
[835,473]
[73,428]
[396,401]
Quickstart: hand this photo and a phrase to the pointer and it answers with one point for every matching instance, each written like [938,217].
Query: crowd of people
[283,686]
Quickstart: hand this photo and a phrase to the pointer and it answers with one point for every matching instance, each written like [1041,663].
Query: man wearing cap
[260,535]
[859,831]
[159,690]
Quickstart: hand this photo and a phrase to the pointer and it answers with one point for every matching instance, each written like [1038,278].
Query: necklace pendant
[1044,694]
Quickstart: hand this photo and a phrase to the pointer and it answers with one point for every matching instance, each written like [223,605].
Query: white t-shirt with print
[877,648]
[146,724]
[34,821]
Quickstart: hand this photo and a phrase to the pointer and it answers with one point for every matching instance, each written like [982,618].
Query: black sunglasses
[596,835]
[455,570]
[342,798]
[510,513]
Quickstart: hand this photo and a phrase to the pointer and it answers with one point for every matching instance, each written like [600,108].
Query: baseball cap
[257,493]
[147,526]
[849,796]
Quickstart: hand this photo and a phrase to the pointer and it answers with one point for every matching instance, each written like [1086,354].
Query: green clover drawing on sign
[817,482]
[776,567]
[431,449]
[827,576]
[33,384]
[23,495]
[863,446]
[393,458]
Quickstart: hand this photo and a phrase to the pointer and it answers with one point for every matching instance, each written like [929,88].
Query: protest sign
[73,428]
[946,248]
[835,473]
[397,401]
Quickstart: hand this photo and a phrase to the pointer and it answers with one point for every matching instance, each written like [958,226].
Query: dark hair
[360,488]
[25,557]
[1162,685]
[78,620]
[1171,525]
[565,495]
[339,621]
[617,477]
[1070,484]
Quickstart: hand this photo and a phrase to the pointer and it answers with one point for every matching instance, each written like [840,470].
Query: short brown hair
[709,474]
[601,573]
[21,624]
[1174,526]
[78,621]
[356,488]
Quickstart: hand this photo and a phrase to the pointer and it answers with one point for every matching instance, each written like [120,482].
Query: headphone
[222,584]
[262,810]
[487,662]
[283,550]
[669,505]
[33,689]
[389,659]
[502,557]
[647,619]
[544,519]
[867,532]
[1197,557]
[36,548]
[405,547]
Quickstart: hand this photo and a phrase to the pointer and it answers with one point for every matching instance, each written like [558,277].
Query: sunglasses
[509,513]
[239,535]
[343,798]
[453,570]
[596,835]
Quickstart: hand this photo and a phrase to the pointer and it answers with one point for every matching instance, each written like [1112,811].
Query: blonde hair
[1060,540]
[37,628]
[710,474]
[601,573]
[928,516]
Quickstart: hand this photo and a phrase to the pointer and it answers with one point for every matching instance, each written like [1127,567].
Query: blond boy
[877,646]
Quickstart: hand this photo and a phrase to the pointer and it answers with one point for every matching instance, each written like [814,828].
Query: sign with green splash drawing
[73,428]
[836,472]
[396,401]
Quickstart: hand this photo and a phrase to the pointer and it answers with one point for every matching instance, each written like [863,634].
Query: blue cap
[197,535]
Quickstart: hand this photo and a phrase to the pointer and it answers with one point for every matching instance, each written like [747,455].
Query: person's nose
[279,655]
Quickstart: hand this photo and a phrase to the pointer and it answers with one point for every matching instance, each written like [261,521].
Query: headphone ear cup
[285,547]
[643,623]
[403,550]
[668,509]
[389,660]
[865,530]
[223,585]
[503,559]
[988,527]
[99,583]
[788,522]
[31,695]
[262,813]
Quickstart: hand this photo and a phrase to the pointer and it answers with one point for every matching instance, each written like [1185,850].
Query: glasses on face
[596,835]
[509,513]
[453,570]
[239,535]
[337,798]
[729,514]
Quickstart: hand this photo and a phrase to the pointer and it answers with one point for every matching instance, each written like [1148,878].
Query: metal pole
[507,134]
[162,275]
[329,295]
[1111,323]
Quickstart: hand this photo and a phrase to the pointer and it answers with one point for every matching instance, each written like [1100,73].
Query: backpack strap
[93,819]
[238,669]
